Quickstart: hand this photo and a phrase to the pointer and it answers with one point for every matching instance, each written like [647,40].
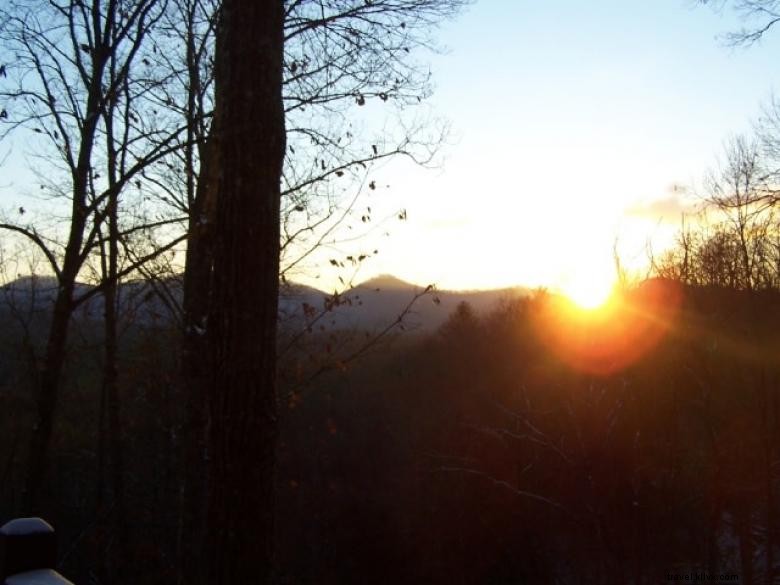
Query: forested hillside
[492,450]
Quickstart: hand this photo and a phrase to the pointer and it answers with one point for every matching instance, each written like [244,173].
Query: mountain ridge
[369,305]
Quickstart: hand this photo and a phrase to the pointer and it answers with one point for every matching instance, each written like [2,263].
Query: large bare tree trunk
[242,318]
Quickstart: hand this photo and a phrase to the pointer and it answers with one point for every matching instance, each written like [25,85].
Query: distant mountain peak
[387,282]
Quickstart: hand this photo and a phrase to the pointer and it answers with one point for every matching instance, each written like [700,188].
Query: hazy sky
[572,121]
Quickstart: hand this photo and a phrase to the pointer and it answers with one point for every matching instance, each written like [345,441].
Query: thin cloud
[670,208]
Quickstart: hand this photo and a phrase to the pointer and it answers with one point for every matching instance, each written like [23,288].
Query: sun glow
[590,294]
[588,290]
[612,337]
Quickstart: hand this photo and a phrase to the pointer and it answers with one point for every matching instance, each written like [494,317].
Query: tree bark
[241,329]
[195,370]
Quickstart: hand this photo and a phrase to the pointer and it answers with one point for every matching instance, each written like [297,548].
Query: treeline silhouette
[531,444]
[484,454]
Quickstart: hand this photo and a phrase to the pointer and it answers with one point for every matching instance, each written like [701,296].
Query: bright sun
[588,291]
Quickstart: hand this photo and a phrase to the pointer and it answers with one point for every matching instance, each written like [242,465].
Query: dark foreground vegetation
[532,444]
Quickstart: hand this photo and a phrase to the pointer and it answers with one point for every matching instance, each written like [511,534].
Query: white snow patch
[26,526]
[40,577]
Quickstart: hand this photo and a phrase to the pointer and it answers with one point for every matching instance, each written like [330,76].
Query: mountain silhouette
[370,305]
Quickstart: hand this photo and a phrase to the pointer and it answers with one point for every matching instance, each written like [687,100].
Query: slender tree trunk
[195,370]
[193,363]
[111,379]
[54,358]
[56,345]
[101,524]
[110,274]
[47,397]
[243,313]
[100,503]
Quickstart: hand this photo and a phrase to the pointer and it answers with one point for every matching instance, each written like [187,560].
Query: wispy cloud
[670,208]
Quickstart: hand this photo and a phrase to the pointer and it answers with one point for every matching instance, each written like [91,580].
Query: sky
[573,126]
